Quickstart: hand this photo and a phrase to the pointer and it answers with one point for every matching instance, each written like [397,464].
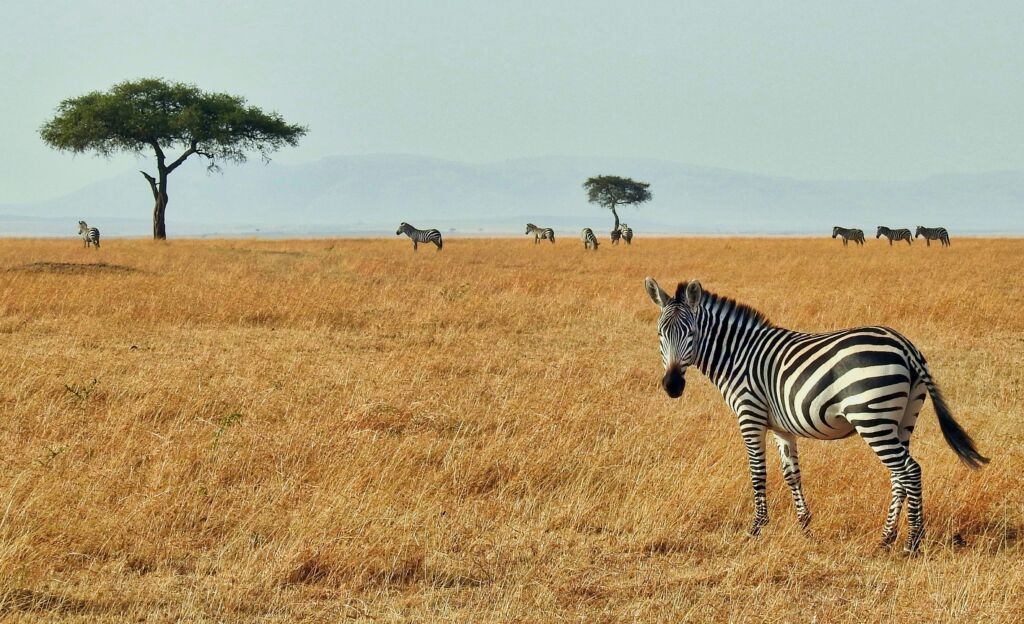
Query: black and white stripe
[90,235]
[939,233]
[891,234]
[869,380]
[540,233]
[589,240]
[627,233]
[849,234]
[616,235]
[420,236]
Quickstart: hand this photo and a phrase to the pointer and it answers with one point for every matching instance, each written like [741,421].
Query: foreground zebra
[849,234]
[867,380]
[540,233]
[589,240]
[420,236]
[90,235]
[940,234]
[627,233]
[891,234]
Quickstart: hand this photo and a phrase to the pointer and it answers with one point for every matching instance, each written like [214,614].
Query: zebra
[589,240]
[931,234]
[420,236]
[866,380]
[849,234]
[627,233]
[616,234]
[891,234]
[540,233]
[90,235]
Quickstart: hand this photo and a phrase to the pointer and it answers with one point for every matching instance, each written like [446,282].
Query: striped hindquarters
[589,240]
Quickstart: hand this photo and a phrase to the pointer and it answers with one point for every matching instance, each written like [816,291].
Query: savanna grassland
[327,430]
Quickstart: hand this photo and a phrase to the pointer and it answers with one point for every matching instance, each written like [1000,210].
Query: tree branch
[152,184]
[191,150]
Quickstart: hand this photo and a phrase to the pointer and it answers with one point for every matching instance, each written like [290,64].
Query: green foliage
[612,191]
[136,116]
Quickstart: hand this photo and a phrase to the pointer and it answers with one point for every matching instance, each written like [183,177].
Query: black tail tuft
[958,439]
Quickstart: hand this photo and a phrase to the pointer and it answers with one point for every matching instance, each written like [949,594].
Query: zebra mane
[716,302]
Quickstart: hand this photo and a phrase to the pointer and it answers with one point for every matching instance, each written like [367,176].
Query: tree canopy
[154,114]
[612,191]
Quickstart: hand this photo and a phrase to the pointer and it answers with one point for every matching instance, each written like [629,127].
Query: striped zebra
[90,235]
[589,240]
[849,234]
[627,233]
[616,235]
[868,380]
[891,234]
[940,234]
[420,236]
[540,233]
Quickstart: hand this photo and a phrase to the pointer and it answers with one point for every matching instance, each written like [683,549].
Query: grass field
[326,430]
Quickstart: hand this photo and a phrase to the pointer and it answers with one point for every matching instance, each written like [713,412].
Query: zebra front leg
[791,473]
[415,245]
[754,441]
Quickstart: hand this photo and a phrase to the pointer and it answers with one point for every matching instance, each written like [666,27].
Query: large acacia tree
[612,191]
[153,115]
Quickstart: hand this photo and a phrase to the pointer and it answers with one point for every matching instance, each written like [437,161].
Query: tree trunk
[159,189]
[159,207]
[616,218]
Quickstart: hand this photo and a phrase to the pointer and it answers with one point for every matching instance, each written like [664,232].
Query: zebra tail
[440,244]
[957,439]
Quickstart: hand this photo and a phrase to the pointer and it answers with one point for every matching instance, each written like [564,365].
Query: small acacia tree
[153,114]
[612,191]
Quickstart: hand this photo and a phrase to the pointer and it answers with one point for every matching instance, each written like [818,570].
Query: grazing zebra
[540,233]
[867,380]
[849,234]
[627,233]
[931,234]
[420,236]
[90,235]
[589,240]
[891,234]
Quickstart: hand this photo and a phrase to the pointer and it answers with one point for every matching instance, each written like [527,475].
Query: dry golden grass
[324,430]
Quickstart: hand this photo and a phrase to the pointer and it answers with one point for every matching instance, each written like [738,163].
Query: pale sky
[877,90]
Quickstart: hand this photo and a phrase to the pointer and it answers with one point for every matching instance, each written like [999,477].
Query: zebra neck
[724,327]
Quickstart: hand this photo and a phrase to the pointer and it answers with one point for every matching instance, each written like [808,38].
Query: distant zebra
[589,240]
[90,235]
[627,233]
[420,236]
[940,234]
[867,380]
[540,233]
[849,234]
[891,234]
[616,234]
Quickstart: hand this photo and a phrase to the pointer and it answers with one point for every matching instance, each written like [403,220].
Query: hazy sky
[804,89]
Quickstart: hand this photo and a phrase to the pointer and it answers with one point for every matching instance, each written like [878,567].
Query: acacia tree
[155,115]
[612,191]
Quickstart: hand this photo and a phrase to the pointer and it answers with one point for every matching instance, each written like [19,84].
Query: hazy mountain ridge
[373,193]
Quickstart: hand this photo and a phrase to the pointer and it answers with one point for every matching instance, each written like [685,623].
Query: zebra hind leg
[786,442]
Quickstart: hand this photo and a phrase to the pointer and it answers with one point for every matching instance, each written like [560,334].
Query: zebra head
[676,330]
[82,227]
[530,227]
[878,233]
[919,232]
[402,227]
[835,231]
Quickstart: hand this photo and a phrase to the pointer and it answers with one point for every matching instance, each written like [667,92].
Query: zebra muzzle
[674,382]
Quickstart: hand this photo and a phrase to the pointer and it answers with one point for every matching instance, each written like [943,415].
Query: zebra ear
[694,293]
[658,296]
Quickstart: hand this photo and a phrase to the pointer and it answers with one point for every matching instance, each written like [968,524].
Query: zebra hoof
[913,543]
[887,541]
[805,520]
[755,527]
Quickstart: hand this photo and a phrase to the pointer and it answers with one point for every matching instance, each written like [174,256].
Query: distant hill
[371,194]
